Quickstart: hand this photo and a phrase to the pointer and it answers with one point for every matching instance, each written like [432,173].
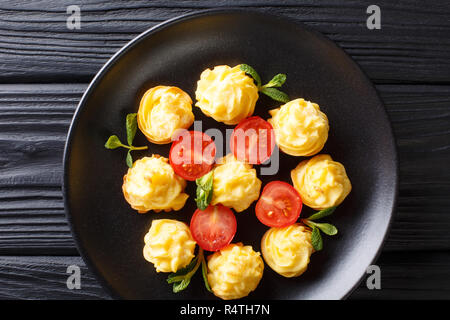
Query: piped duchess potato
[151,184]
[236,184]
[169,245]
[321,182]
[234,271]
[162,111]
[287,250]
[301,129]
[226,94]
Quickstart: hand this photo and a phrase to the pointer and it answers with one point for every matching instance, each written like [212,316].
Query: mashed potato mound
[169,245]
[235,184]
[162,111]
[151,184]
[226,94]
[287,250]
[301,129]
[234,271]
[321,182]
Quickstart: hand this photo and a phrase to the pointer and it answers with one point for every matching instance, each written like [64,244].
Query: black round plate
[109,234]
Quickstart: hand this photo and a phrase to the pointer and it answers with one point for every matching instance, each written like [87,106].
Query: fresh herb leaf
[179,286]
[113,143]
[205,275]
[204,190]
[177,276]
[129,159]
[182,277]
[326,228]
[316,239]
[269,88]
[201,198]
[251,72]
[275,94]
[131,125]
[322,213]
[206,181]
[277,81]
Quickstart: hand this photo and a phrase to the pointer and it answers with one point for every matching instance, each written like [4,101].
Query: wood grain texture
[418,275]
[403,276]
[36,45]
[420,117]
[34,120]
[45,277]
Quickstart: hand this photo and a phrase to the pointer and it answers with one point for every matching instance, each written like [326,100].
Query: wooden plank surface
[34,120]
[403,276]
[37,46]
[45,277]
[33,124]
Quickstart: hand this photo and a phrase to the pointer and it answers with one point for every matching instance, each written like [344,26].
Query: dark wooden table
[45,67]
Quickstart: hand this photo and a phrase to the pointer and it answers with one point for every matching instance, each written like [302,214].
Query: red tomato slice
[192,154]
[279,205]
[214,227]
[253,140]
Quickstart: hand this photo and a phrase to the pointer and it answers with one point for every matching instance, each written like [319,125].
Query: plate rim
[164,24]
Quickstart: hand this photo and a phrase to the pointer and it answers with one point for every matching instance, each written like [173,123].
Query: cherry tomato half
[279,205]
[192,154]
[214,227]
[253,140]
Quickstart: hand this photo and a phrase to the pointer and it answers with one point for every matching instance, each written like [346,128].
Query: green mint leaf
[277,81]
[251,72]
[182,272]
[275,94]
[182,277]
[204,190]
[326,228]
[322,214]
[316,239]
[113,142]
[205,277]
[129,159]
[201,199]
[138,148]
[206,181]
[179,286]
[131,125]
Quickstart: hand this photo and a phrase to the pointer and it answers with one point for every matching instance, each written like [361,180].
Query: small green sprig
[114,142]
[269,88]
[204,190]
[205,275]
[328,229]
[182,277]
